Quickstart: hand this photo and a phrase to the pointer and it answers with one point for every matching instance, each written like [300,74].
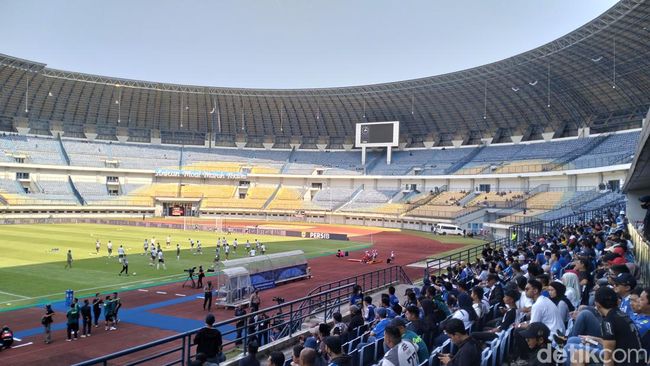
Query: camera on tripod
[278,299]
[190,270]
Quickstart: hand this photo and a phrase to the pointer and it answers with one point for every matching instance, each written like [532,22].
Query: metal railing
[438,265]
[286,321]
[641,253]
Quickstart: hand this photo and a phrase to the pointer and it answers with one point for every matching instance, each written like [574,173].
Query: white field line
[14,295]
[161,292]
[181,295]
[24,298]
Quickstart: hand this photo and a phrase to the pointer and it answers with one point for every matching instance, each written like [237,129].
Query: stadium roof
[597,76]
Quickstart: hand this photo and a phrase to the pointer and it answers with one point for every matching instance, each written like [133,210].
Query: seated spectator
[339,328]
[416,340]
[335,353]
[369,309]
[619,333]
[556,292]
[400,353]
[641,318]
[356,319]
[624,283]
[469,351]
[295,354]
[537,338]
[276,358]
[251,357]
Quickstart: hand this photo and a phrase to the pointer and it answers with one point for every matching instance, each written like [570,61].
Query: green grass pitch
[32,269]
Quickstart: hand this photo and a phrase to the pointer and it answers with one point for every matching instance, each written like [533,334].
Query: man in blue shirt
[624,283]
[370,309]
[641,318]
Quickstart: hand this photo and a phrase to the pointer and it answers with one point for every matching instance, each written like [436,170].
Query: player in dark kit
[86,319]
[97,309]
[125,267]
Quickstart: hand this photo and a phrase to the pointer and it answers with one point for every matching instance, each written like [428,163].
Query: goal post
[218,224]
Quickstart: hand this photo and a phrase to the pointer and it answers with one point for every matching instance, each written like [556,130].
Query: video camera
[279,300]
[190,270]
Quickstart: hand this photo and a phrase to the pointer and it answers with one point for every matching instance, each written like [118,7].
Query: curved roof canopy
[597,76]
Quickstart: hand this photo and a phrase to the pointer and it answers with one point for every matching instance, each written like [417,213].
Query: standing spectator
[68,261]
[97,308]
[469,351]
[262,321]
[86,319]
[72,322]
[47,320]
[276,358]
[251,357]
[209,342]
[401,353]
[240,313]
[255,301]
[207,296]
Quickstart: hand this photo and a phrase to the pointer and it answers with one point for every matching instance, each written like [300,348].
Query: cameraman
[199,282]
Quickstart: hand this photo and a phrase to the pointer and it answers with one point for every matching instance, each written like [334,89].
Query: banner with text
[199,174]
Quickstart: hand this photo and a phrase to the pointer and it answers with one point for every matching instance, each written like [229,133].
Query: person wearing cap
[335,353]
[624,283]
[618,333]
[536,336]
[400,353]
[378,330]
[208,341]
[410,336]
[469,351]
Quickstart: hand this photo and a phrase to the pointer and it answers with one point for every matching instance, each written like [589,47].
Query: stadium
[406,180]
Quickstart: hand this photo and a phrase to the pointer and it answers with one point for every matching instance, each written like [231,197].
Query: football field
[32,264]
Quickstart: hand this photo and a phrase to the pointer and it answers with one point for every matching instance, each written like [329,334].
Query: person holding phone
[469,350]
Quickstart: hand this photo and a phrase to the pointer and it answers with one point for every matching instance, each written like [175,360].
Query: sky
[282,44]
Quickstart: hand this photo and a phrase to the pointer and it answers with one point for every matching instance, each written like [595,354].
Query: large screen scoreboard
[377,134]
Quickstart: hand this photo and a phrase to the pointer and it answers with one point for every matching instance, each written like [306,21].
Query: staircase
[371,164]
[76,192]
[459,164]
[352,198]
[64,153]
[271,197]
[425,200]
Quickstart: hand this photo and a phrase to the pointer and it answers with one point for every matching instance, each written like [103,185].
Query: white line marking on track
[143,290]
[17,339]
[161,292]
[200,297]
[181,295]
[22,345]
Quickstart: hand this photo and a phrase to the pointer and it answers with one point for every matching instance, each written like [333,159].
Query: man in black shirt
[208,341]
[469,351]
[536,335]
[621,344]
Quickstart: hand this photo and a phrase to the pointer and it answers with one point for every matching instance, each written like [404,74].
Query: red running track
[408,249]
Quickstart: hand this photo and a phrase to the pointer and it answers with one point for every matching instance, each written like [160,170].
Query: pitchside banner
[318,235]
[198,174]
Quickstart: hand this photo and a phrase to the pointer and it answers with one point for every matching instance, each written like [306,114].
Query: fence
[641,254]
[437,265]
[286,321]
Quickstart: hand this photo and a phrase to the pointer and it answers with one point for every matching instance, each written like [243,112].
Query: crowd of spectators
[572,292]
